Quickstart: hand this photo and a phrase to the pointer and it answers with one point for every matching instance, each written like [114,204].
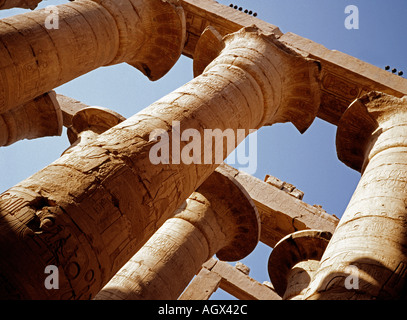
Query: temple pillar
[294,260]
[37,118]
[218,218]
[108,197]
[367,257]
[38,56]
[88,123]
[24,4]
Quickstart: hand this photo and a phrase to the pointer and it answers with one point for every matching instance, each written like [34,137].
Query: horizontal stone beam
[202,286]
[219,274]
[280,212]
[241,285]
[344,78]
[69,107]
[201,13]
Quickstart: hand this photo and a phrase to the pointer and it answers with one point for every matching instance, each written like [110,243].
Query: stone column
[37,118]
[108,198]
[88,123]
[24,4]
[294,260]
[44,49]
[366,257]
[219,218]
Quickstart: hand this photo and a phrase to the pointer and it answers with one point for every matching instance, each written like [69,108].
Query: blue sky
[308,161]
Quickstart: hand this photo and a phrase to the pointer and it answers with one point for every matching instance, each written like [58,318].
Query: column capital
[292,249]
[367,118]
[288,79]
[148,32]
[235,212]
[40,117]
[93,121]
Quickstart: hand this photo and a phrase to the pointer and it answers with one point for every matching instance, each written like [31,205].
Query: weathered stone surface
[88,123]
[218,218]
[107,198]
[202,286]
[243,268]
[218,274]
[40,117]
[294,260]
[209,46]
[344,78]
[202,13]
[285,186]
[294,98]
[25,4]
[281,214]
[69,107]
[371,235]
[90,34]
[92,209]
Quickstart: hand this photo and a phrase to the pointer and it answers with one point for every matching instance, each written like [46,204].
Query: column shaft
[219,218]
[367,256]
[163,267]
[44,49]
[37,118]
[106,199]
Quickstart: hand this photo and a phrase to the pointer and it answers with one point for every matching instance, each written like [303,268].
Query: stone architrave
[39,54]
[218,218]
[40,117]
[106,199]
[366,257]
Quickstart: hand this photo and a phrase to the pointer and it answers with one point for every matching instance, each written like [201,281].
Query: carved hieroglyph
[218,218]
[37,118]
[106,199]
[366,257]
[147,34]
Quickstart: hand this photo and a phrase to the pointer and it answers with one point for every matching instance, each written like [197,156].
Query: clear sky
[308,161]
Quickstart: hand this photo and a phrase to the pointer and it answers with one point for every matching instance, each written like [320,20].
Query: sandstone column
[43,49]
[25,4]
[366,257]
[106,199]
[294,260]
[219,218]
[88,123]
[37,118]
